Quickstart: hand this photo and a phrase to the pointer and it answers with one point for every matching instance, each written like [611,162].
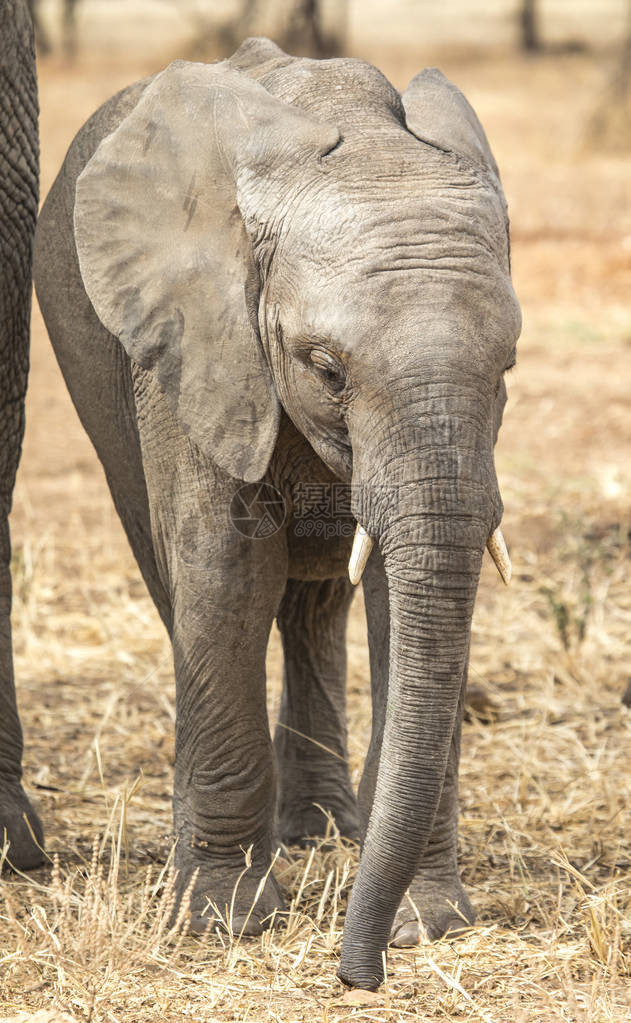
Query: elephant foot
[25,840]
[304,825]
[444,909]
[228,898]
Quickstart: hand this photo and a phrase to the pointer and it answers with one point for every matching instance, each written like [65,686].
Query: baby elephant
[279,293]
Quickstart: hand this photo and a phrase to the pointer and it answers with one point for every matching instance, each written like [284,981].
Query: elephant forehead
[398,270]
[394,246]
[409,313]
[418,224]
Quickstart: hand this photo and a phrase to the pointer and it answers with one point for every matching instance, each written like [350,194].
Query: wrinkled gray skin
[19,157]
[281,269]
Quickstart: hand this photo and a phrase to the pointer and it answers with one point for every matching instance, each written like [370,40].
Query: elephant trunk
[432,526]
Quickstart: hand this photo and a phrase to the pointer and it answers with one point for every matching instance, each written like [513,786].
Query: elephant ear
[438,113]
[165,256]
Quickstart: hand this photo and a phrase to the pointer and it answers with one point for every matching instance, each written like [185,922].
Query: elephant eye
[512,362]
[329,369]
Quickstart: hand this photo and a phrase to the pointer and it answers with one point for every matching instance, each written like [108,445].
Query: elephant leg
[225,589]
[436,891]
[19,824]
[18,211]
[310,738]
[225,778]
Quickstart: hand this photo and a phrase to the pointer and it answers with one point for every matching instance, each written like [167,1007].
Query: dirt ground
[546,772]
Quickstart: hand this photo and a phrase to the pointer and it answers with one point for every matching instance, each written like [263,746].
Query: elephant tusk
[362,546]
[496,546]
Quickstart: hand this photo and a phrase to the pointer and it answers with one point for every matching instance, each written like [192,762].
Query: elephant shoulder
[105,120]
[102,123]
[55,230]
[55,266]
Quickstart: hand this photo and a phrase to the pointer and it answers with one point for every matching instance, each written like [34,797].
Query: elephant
[261,275]
[19,194]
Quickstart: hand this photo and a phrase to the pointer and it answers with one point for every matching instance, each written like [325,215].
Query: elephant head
[268,233]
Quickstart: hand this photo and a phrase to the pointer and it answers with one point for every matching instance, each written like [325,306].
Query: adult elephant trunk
[431,511]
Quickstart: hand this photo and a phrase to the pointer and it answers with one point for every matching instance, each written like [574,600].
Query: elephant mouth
[363,545]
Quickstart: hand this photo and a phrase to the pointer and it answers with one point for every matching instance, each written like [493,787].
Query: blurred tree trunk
[530,40]
[306,29]
[68,28]
[610,124]
[41,36]
[299,26]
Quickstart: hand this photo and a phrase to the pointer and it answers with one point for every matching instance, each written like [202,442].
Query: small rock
[357,996]
[281,865]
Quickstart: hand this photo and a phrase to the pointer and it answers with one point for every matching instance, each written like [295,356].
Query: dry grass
[544,834]
[546,809]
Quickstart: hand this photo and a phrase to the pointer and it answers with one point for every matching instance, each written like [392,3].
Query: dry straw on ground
[546,770]
[544,827]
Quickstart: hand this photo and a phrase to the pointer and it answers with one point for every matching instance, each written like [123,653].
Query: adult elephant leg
[225,589]
[310,737]
[19,824]
[436,893]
